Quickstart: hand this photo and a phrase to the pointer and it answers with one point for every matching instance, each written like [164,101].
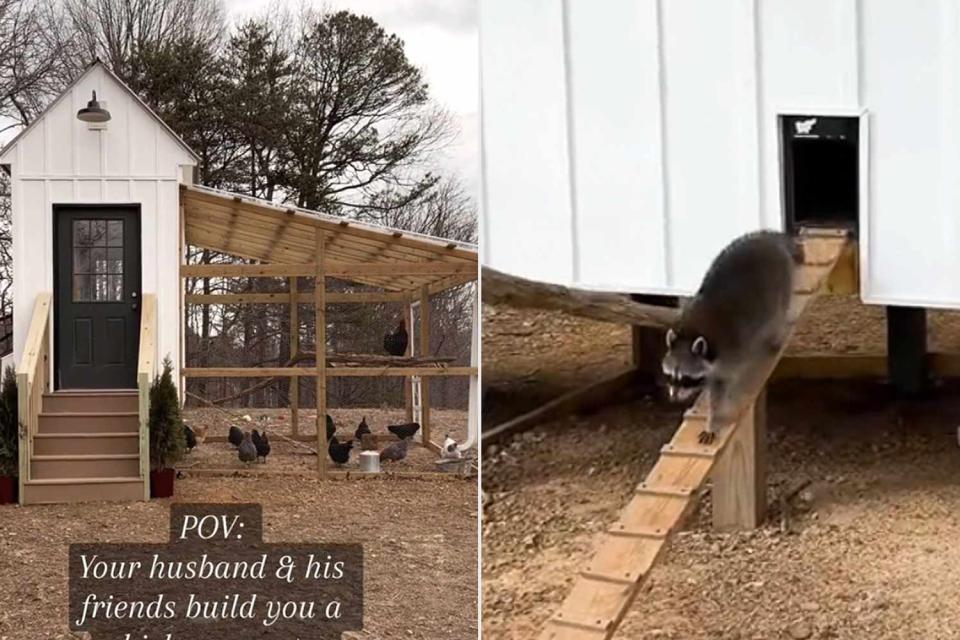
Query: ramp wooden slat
[624,555]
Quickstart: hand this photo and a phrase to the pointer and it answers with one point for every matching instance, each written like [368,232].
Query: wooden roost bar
[290,243]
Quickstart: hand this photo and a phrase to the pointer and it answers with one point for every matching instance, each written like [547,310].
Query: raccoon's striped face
[687,365]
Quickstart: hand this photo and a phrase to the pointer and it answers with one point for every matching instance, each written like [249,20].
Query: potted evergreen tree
[9,438]
[167,437]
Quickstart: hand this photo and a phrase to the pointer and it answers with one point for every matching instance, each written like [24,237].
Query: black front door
[97,301]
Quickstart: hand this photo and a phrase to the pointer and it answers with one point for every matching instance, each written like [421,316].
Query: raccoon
[737,318]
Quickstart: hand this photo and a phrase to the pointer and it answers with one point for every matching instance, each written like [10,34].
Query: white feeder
[370,461]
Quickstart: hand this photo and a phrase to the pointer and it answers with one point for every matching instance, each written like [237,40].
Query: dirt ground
[419,537]
[287,457]
[868,550]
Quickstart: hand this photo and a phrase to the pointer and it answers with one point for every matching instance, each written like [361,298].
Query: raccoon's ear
[699,347]
[671,337]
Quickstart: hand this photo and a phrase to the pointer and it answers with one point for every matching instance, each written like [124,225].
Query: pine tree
[9,425]
[167,438]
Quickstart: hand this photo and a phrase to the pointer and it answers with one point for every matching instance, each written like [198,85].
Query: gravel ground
[419,542]
[865,550]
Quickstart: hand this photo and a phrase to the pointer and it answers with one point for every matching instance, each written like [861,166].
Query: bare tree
[116,31]
[31,72]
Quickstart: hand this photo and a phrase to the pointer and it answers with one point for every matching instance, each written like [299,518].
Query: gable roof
[97,63]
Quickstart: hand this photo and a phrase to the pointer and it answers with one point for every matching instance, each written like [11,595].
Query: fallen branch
[500,288]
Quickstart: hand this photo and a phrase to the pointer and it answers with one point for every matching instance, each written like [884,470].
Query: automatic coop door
[820,164]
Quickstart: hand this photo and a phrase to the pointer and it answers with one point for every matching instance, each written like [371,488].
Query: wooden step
[123,489]
[51,444]
[90,401]
[89,422]
[49,467]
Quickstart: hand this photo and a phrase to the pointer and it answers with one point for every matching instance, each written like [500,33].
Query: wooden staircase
[86,448]
[83,446]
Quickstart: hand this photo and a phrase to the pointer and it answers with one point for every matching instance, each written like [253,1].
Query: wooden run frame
[291,244]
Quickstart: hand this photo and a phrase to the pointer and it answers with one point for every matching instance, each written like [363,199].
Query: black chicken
[331,429]
[340,451]
[362,430]
[262,443]
[190,436]
[404,430]
[235,436]
[395,342]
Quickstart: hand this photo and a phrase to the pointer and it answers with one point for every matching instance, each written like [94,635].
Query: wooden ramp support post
[739,489]
[320,307]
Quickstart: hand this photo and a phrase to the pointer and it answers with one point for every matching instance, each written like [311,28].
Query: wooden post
[740,476]
[649,343]
[424,352]
[294,350]
[408,381]
[907,349]
[320,306]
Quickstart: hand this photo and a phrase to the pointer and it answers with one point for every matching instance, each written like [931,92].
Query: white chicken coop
[626,142]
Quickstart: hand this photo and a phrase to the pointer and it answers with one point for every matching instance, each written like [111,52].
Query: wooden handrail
[146,370]
[33,380]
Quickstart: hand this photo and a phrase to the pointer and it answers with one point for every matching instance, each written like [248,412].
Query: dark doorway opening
[96,296]
[821,171]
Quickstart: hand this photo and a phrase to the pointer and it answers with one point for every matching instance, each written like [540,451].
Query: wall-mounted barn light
[93,112]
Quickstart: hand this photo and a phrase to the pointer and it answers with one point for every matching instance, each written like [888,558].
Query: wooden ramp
[624,554]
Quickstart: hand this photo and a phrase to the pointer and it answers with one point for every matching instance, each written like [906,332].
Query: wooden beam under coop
[501,288]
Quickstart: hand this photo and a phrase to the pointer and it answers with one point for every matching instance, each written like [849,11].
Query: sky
[441,37]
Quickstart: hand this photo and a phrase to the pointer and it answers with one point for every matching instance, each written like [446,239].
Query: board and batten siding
[135,160]
[625,142]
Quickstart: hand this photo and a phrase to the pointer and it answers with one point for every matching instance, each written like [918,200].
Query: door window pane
[97,260]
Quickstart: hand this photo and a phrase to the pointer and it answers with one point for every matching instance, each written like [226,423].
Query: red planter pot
[8,489]
[161,483]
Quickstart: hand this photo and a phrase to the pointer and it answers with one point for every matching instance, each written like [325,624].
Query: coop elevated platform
[627,551]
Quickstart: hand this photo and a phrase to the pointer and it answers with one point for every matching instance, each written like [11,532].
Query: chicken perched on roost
[247,451]
[262,443]
[395,452]
[235,437]
[404,430]
[395,342]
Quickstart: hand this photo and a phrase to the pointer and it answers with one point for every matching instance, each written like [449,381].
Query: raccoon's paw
[706,437]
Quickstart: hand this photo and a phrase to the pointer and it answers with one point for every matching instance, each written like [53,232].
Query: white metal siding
[61,161]
[626,142]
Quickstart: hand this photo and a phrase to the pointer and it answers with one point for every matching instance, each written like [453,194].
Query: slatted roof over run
[363,253]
